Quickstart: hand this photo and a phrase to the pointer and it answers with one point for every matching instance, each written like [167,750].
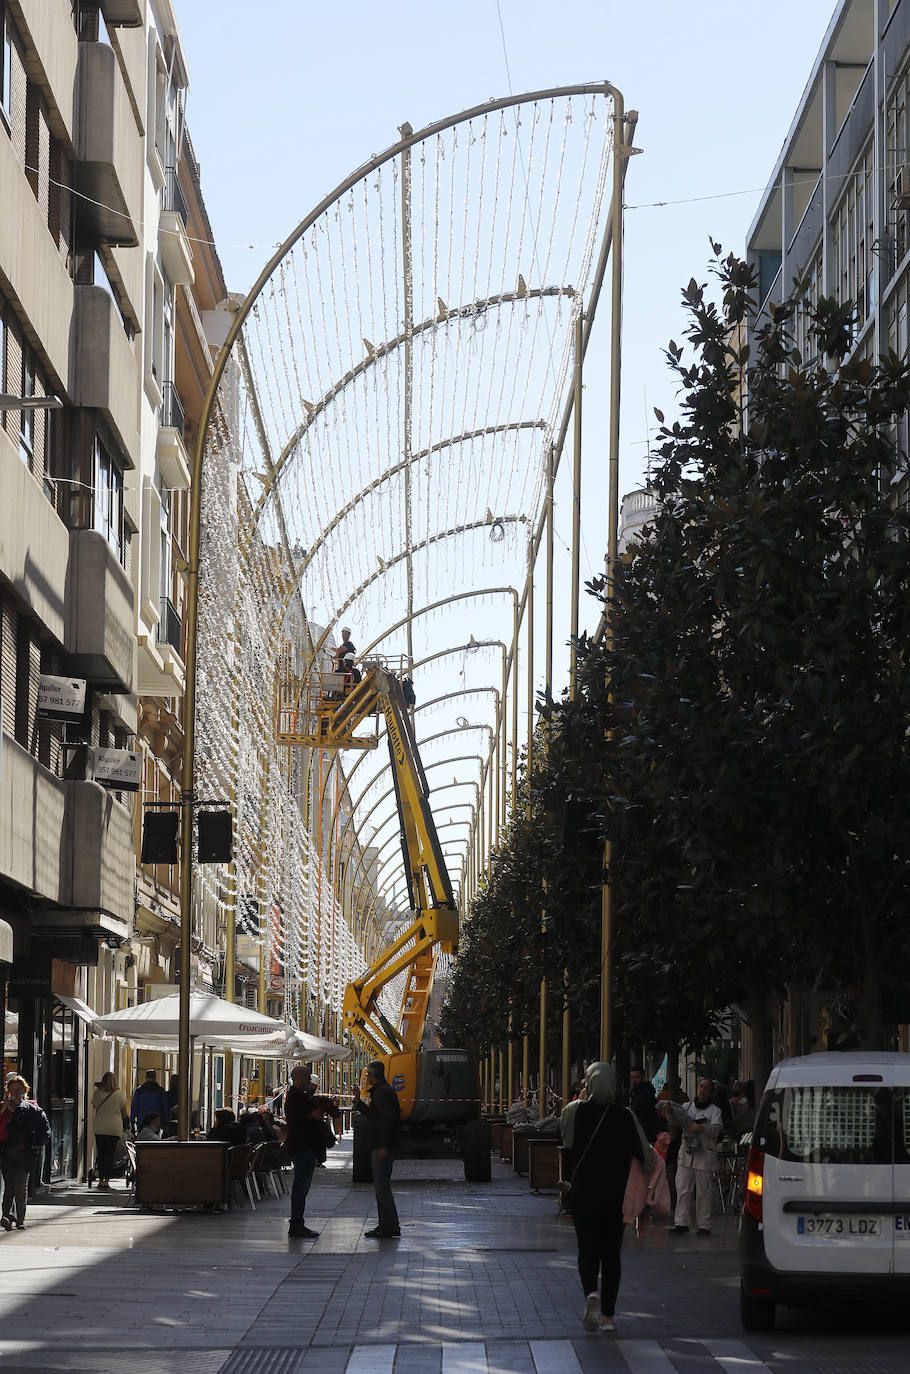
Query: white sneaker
[591,1319]
[607,1324]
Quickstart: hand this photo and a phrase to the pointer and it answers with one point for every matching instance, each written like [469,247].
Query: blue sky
[282,109]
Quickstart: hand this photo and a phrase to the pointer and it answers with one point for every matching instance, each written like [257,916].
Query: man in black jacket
[304,1114]
[383,1114]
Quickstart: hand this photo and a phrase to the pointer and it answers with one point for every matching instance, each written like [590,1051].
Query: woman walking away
[24,1131]
[111,1116]
[601,1140]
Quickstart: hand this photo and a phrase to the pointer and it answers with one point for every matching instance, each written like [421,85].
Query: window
[3,387]
[6,65]
[852,241]
[805,341]
[826,1125]
[108,492]
[26,414]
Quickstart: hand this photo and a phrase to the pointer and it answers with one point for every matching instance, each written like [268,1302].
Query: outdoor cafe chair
[240,1173]
[267,1166]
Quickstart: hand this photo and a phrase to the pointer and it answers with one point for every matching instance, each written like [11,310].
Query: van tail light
[752,1192]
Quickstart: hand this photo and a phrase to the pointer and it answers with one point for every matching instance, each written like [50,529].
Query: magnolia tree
[742,739]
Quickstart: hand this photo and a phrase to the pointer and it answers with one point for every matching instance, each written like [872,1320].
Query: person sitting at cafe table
[226,1128]
[151,1127]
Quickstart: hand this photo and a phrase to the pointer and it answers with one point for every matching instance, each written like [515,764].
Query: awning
[83,1011]
[6,943]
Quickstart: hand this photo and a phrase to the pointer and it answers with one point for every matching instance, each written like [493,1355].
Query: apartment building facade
[836,211]
[107,267]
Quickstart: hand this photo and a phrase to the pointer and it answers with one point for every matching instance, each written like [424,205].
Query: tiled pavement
[483,1281]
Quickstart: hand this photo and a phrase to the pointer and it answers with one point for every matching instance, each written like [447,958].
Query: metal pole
[573,644]
[549,688]
[408,282]
[622,138]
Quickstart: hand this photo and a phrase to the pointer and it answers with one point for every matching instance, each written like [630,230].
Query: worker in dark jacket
[383,1113]
[24,1131]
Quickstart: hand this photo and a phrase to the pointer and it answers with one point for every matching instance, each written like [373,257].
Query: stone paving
[482,1281]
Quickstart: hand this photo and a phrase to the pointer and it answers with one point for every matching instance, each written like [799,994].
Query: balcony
[106,374]
[171,450]
[126,14]
[32,265]
[170,626]
[100,633]
[161,668]
[176,253]
[70,844]
[108,152]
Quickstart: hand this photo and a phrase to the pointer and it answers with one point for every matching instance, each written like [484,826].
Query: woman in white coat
[111,1113]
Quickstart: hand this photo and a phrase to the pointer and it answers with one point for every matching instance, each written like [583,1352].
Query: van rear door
[902,1170]
[828,1186]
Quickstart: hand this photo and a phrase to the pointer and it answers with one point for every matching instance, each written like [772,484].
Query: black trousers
[105,1145]
[599,1237]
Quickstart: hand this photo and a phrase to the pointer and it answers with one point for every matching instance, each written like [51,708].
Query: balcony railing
[172,416]
[173,196]
[170,626]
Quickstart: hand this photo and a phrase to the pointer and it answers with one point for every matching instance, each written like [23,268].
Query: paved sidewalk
[482,1281]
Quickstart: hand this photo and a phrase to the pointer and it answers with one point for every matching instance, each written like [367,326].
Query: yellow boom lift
[437,1088]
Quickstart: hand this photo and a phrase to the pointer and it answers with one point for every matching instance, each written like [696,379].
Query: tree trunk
[872,1010]
[673,1066]
[760,1026]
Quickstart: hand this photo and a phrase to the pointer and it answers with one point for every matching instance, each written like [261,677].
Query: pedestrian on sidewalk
[111,1116]
[148,1097]
[305,1113]
[601,1139]
[24,1131]
[701,1124]
[383,1114]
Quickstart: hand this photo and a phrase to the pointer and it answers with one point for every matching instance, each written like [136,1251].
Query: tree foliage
[742,738]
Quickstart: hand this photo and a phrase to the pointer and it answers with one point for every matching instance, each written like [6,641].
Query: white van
[826,1195]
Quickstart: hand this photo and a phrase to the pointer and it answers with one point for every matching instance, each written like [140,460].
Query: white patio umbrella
[316,1050]
[213,1021]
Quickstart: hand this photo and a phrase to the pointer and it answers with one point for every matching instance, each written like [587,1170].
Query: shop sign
[247,949]
[61,698]
[120,769]
[276,983]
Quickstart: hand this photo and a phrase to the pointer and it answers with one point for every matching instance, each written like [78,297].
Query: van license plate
[839,1226]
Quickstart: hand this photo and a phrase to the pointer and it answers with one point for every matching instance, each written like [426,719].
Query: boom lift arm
[434,928]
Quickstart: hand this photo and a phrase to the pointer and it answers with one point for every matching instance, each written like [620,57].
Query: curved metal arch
[460,758]
[385,565]
[446,787]
[434,701]
[429,658]
[400,467]
[447,696]
[384,350]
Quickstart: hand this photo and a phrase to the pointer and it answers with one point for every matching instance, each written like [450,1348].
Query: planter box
[519,1153]
[181,1172]
[543,1163]
[505,1140]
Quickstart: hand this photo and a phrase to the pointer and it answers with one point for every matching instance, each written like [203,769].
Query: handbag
[329,1139]
[564,1186]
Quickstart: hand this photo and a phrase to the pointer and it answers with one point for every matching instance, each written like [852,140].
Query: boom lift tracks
[437,1088]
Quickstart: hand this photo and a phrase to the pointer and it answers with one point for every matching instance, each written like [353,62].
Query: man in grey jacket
[383,1114]
[701,1124]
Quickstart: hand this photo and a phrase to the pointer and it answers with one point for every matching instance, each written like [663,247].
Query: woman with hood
[601,1140]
